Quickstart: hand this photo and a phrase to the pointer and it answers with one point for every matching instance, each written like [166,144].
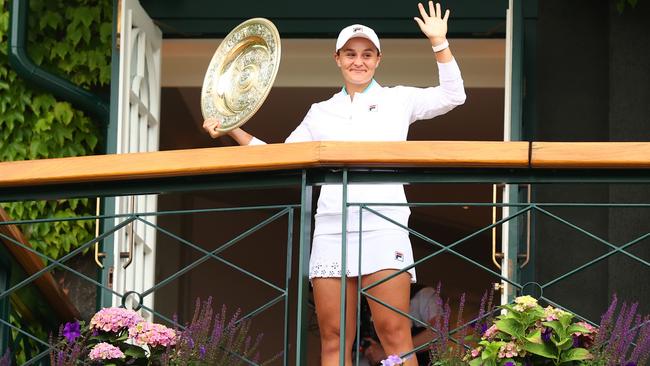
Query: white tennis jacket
[377,114]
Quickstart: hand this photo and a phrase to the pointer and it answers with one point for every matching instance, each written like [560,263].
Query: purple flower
[71,331]
[392,360]
[509,363]
[202,351]
[546,334]
[6,359]
[630,364]
[576,341]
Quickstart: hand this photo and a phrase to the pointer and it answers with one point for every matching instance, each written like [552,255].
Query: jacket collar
[372,86]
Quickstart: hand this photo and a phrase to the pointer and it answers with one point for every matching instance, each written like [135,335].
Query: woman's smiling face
[358,59]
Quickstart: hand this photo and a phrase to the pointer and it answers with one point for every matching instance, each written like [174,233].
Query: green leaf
[564,343]
[135,352]
[511,327]
[544,350]
[557,327]
[43,124]
[576,354]
[573,328]
[85,15]
[476,362]
[74,34]
[50,19]
[535,337]
[61,49]
[565,320]
[106,32]
[63,112]
[37,150]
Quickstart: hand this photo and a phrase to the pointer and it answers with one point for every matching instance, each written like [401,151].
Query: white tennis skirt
[381,249]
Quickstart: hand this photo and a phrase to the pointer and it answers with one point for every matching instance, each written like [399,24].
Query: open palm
[433,25]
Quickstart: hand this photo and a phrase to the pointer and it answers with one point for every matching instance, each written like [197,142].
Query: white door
[509,262]
[137,131]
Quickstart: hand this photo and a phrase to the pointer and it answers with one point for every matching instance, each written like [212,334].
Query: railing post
[344,268]
[287,283]
[303,270]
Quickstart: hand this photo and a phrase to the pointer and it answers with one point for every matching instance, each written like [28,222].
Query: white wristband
[441,46]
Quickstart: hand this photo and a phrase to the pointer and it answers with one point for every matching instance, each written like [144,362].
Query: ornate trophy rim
[234,99]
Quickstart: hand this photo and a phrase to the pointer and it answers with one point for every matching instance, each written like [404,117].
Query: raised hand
[210,125]
[433,25]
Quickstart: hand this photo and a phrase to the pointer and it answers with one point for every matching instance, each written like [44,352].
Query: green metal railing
[295,352]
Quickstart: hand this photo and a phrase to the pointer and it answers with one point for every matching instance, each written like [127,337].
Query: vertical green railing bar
[344,267]
[287,283]
[359,287]
[303,269]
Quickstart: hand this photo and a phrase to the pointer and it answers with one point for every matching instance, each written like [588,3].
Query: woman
[365,111]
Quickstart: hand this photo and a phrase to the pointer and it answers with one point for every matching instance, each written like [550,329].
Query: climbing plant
[71,38]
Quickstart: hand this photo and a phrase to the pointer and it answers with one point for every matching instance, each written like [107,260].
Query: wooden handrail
[263,158]
[31,263]
[461,154]
[601,155]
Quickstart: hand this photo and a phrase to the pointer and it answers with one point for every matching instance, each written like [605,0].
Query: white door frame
[138,130]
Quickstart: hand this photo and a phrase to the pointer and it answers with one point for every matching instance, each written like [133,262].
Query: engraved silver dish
[241,73]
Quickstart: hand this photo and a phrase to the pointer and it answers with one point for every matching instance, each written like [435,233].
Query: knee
[393,332]
[330,337]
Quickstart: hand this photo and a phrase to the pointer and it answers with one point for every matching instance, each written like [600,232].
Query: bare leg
[327,296]
[393,329]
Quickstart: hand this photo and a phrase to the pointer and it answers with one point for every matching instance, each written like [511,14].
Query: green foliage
[70,38]
[25,347]
[526,333]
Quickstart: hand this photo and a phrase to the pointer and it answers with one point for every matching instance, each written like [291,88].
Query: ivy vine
[72,39]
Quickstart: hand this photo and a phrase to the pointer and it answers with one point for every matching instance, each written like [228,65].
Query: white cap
[357,30]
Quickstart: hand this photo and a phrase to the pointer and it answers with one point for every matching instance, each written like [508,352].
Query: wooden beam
[437,154]
[32,263]
[263,158]
[237,159]
[602,155]
[159,164]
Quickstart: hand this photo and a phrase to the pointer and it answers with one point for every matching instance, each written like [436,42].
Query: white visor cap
[357,30]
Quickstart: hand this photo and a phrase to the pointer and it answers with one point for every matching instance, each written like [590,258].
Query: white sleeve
[425,305]
[430,102]
[256,141]
[303,132]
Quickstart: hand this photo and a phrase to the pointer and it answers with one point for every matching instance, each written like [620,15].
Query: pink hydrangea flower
[509,350]
[476,351]
[105,351]
[490,332]
[589,327]
[551,313]
[152,334]
[114,319]
[523,303]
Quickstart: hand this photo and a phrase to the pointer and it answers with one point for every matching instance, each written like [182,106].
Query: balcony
[579,235]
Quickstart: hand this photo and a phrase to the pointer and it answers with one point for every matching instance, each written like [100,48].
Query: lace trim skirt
[381,249]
